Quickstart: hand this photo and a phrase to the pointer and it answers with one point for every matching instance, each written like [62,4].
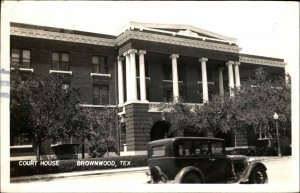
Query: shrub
[253,151]
[101,146]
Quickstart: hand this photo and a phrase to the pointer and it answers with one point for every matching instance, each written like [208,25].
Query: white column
[142,75]
[175,76]
[128,75]
[230,77]
[132,53]
[120,80]
[204,79]
[237,74]
[221,85]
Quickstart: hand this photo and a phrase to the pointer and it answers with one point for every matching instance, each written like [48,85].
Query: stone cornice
[252,60]
[36,33]
[175,40]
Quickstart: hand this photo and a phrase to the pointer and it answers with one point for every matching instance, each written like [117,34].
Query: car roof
[170,140]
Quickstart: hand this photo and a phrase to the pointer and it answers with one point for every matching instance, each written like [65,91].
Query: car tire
[191,178]
[258,176]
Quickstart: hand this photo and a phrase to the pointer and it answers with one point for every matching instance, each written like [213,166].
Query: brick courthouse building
[143,66]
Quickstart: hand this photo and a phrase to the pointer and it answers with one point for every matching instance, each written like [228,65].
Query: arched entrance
[227,136]
[160,130]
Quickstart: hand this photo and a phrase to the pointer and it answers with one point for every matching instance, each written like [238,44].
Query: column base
[135,101]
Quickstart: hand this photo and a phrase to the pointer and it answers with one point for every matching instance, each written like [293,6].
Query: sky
[262,28]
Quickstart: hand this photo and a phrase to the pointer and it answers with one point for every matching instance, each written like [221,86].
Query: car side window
[201,148]
[186,149]
[217,148]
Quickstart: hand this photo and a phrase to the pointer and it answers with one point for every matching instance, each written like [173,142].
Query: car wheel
[191,178]
[259,176]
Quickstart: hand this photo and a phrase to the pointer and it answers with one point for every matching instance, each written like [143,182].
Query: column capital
[132,51]
[221,69]
[174,56]
[120,58]
[203,59]
[229,63]
[237,63]
[142,52]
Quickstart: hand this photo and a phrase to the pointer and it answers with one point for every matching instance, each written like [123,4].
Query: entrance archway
[160,130]
[227,136]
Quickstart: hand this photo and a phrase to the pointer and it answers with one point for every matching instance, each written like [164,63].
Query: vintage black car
[200,160]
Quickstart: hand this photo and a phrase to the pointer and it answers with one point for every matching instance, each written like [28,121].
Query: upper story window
[20,58]
[99,64]
[60,61]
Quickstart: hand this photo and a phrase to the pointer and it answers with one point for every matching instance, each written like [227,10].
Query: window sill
[21,146]
[212,83]
[60,71]
[99,74]
[24,69]
[97,106]
[179,81]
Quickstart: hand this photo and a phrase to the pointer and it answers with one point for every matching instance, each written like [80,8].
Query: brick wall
[80,61]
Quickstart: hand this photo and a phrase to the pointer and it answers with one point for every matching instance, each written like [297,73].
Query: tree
[252,107]
[102,140]
[181,117]
[83,126]
[43,108]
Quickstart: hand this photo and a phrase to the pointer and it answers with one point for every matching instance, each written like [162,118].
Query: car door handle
[212,159]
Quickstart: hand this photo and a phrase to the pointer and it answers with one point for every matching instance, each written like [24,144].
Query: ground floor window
[100,94]
[20,139]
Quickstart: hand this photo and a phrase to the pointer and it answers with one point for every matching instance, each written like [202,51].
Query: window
[217,148]
[99,65]
[60,61]
[201,148]
[100,94]
[20,138]
[186,149]
[158,151]
[20,58]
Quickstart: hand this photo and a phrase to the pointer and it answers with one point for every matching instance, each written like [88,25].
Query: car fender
[247,172]
[185,170]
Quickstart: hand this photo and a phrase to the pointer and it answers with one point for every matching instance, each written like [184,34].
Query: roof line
[141,25]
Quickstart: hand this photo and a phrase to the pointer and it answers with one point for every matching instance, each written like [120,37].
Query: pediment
[178,29]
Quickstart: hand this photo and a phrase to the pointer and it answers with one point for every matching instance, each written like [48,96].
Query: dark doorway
[227,138]
[160,130]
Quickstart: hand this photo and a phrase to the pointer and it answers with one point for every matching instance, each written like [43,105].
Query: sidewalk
[270,158]
[48,177]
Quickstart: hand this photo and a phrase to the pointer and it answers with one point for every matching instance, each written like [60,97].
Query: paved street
[279,172]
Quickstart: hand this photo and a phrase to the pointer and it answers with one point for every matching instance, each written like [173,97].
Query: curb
[48,177]
[271,158]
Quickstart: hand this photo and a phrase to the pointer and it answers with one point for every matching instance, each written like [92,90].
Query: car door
[218,162]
